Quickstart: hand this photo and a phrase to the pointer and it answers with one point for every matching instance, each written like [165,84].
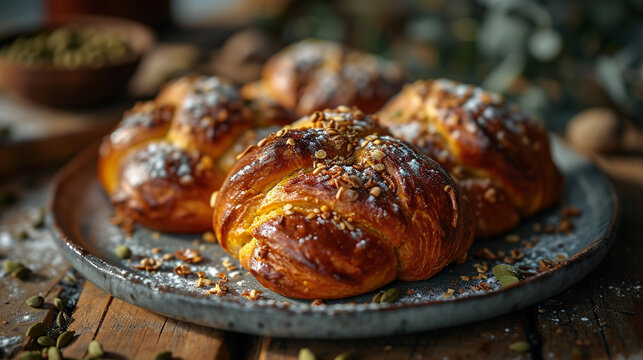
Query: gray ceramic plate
[81,217]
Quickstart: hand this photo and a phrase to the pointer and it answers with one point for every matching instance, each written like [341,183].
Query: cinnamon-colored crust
[312,75]
[163,161]
[499,156]
[333,207]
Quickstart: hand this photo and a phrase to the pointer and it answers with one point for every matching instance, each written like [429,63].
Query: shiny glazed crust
[163,161]
[333,207]
[498,155]
[312,75]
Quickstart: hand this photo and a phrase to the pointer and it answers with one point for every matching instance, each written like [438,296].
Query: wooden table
[601,317]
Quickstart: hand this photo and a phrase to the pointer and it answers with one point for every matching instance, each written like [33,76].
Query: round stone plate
[551,261]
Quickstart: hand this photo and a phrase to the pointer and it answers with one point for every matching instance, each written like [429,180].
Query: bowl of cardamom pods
[76,61]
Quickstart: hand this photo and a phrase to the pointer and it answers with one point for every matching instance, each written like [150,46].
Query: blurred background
[562,61]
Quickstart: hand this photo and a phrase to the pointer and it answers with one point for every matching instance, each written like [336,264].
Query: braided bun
[312,75]
[334,207]
[162,163]
[498,155]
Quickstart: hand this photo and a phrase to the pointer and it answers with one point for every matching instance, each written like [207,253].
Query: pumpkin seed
[36,330]
[504,270]
[58,303]
[123,252]
[31,355]
[520,346]
[9,266]
[163,355]
[63,339]
[54,354]
[306,354]
[60,319]
[35,301]
[345,356]
[95,349]
[376,299]
[46,341]
[507,280]
[390,295]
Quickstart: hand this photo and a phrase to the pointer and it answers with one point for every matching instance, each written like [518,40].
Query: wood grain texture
[601,317]
[126,331]
[479,340]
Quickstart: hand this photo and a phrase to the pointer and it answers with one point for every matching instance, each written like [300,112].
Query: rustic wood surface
[598,318]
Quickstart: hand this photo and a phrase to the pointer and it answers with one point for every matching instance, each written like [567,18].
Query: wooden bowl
[75,87]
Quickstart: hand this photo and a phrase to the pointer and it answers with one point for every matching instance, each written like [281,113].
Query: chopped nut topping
[228,264]
[376,191]
[290,142]
[182,270]
[148,264]
[490,195]
[378,167]
[378,155]
[189,255]
[449,293]
[252,294]
[350,195]
[209,237]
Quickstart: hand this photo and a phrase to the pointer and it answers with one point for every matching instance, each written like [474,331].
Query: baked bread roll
[312,75]
[498,155]
[163,161]
[334,207]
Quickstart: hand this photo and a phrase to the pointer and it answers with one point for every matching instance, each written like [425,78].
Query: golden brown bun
[312,75]
[498,155]
[333,207]
[162,163]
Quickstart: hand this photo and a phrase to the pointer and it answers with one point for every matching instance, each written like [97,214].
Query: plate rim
[598,247]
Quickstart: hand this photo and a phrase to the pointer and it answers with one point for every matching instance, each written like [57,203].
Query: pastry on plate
[166,157]
[312,75]
[334,206]
[499,156]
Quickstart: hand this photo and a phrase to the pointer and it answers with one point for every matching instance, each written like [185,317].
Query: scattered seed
[58,303]
[9,266]
[390,295]
[36,330]
[60,319]
[520,346]
[306,354]
[123,252]
[163,355]
[507,280]
[54,354]
[345,356]
[378,155]
[35,301]
[63,339]
[376,299]
[376,191]
[95,349]
[46,341]
[501,270]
